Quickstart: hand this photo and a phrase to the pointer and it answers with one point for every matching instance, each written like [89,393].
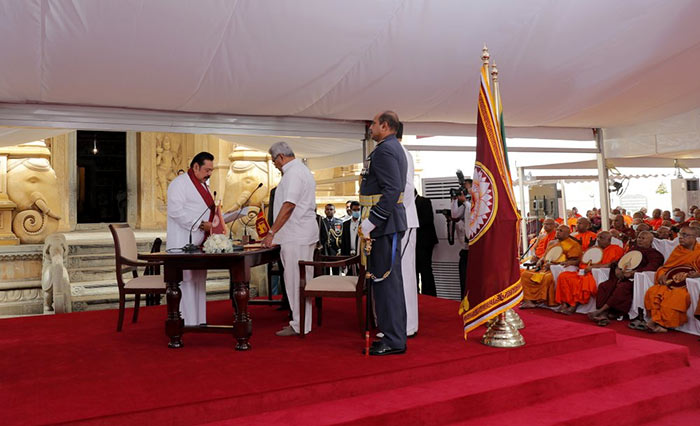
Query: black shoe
[384,349]
[411,336]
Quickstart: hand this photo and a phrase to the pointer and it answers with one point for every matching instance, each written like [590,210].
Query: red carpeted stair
[74,368]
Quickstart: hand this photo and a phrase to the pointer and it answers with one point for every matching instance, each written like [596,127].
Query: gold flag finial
[494,72]
[485,55]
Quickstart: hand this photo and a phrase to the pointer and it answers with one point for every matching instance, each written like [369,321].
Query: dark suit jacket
[386,175]
[271,207]
[426,236]
[345,239]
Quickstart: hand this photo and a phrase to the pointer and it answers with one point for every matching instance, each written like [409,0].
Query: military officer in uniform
[384,221]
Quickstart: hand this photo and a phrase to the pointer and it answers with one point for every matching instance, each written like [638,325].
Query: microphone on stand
[189,247]
[230,228]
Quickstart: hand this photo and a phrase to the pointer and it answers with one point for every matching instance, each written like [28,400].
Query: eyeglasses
[686,235]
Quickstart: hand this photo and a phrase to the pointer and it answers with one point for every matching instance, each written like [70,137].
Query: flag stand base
[514,319]
[501,334]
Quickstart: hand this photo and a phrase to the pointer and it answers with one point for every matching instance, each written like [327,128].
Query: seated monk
[614,296]
[664,233]
[548,235]
[626,234]
[668,300]
[656,219]
[583,233]
[574,289]
[538,287]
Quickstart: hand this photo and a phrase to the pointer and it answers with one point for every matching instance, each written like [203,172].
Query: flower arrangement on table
[218,243]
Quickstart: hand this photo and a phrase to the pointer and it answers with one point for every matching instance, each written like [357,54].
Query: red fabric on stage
[75,368]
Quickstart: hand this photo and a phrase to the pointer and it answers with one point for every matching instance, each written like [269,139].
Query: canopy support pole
[603,181]
[563,203]
[524,209]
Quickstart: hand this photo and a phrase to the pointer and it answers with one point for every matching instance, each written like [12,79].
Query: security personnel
[384,220]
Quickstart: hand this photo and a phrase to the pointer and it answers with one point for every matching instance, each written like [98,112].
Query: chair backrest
[155,248]
[124,241]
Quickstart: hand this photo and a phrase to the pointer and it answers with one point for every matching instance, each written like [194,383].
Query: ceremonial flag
[217,224]
[493,271]
[261,225]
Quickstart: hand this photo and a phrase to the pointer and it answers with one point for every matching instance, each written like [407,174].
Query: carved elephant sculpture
[32,185]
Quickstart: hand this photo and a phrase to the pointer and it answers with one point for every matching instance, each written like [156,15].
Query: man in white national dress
[188,200]
[295,228]
[408,249]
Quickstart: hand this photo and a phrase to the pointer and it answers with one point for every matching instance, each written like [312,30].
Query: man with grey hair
[295,228]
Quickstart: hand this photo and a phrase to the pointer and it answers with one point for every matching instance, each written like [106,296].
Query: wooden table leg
[242,324]
[174,324]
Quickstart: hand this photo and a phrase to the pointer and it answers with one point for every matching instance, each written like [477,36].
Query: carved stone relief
[168,159]
[248,169]
[31,185]
[55,283]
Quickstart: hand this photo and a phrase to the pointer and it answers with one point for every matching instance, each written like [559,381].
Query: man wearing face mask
[350,237]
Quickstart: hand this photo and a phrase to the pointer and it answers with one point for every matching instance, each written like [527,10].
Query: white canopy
[565,65]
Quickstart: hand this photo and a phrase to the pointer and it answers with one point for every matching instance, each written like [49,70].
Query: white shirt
[461,214]
[185,205]
[354,224]
[299,188]
[409,198]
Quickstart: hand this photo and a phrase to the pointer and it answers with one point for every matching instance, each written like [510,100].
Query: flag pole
[510,316]
[503,329]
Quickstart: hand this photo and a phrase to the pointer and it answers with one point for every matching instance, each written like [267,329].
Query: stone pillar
[62,152]
[132,179]
[7,237]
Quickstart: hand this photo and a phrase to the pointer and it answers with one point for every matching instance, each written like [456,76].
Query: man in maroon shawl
[614,296]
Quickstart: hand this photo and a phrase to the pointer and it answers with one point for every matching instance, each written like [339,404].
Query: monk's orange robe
[541,247]
[586,239]
[573,288]
[572,221]
[539,286]
[655,223]
[668,306]
[628,219]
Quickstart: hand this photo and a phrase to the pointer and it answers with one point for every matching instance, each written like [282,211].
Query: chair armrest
[346,261]
[130,262]
[325,258]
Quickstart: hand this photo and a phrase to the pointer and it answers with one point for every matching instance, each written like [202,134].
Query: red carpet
[75,368]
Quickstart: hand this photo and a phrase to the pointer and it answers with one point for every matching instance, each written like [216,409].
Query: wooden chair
[331,286]
[153,299]
[126,254]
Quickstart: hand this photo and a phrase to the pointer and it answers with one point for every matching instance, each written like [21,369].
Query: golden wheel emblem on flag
[483,202]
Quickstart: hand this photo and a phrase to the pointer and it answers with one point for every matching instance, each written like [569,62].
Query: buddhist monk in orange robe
[538,286]
[583,233]
[549,226]
[614,296]
[667,302]
[655,220]
[574,289]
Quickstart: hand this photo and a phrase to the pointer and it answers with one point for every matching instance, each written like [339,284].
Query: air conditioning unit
[445,256]
[685,193]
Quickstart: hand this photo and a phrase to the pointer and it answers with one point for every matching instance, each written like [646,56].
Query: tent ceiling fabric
[10,136]
[636,162]
[562,63]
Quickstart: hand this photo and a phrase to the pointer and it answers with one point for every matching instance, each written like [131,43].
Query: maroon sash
[204,192]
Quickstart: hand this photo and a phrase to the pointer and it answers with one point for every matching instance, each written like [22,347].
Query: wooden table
[238,264]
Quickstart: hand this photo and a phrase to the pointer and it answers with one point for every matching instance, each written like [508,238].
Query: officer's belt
[372,200]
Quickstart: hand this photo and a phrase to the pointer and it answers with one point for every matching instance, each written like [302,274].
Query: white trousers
[290,255]
[408,273]
[193,304]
